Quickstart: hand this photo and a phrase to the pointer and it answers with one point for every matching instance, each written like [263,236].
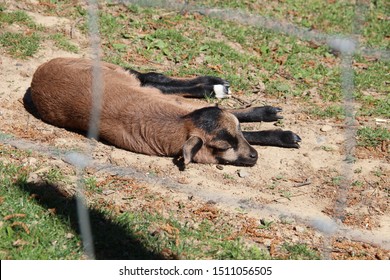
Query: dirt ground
[301,190]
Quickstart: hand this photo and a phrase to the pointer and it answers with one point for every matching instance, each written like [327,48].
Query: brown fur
[135,118]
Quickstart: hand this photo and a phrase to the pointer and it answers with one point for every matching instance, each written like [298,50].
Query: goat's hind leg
[197,87]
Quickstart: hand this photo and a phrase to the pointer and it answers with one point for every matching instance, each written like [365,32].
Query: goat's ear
[191,147]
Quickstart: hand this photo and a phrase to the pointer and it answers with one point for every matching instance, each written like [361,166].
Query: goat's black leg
[197,87]
[278,138]
[258,114]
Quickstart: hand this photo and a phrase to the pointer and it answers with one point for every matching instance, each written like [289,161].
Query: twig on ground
[8,217]
[304,183]
[245,104]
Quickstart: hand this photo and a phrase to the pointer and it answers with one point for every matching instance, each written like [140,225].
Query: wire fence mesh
[345,44]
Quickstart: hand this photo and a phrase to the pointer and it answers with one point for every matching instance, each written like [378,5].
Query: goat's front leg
[258,114]
[278,138]
[197,87]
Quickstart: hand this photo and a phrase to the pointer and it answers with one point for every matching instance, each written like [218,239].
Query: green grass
[337,17]
[91,184]
[20,45]
[375,106]
[29,230]
[26,44]
[300,252]
[326,112]
[54,175]
[265,224]
[337,180]
[206,242]
[63,8]
[23,46]
[19,17]
[63,43]
[372,137]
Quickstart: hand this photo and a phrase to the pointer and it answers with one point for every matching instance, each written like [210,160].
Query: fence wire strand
[82,160]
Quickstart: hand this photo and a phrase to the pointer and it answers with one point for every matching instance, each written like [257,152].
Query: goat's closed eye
[221,147]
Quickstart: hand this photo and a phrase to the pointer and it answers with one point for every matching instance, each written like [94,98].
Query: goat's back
[61,90]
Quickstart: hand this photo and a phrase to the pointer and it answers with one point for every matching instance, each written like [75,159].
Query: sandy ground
[300,186]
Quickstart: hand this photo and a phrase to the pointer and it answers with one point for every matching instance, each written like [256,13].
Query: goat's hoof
[290,139]
[222,90]
[271,114]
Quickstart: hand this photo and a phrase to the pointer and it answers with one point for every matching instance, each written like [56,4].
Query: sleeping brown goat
[139,114]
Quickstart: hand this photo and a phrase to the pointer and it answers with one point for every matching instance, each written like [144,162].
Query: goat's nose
[253,154]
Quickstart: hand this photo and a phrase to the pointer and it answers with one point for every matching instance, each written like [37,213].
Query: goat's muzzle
[250,159]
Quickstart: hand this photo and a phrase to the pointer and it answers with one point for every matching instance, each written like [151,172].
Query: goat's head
[215,137]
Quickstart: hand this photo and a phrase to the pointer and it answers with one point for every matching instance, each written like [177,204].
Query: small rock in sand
[326,128]
[243,173]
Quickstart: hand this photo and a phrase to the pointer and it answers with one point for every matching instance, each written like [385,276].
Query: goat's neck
[167,137]
[154,134]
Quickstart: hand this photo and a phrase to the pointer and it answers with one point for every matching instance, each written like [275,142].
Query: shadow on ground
[111,240]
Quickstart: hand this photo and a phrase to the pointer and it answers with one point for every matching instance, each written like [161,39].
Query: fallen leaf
[19,242]
[23,225]
[69,235]
[360,65]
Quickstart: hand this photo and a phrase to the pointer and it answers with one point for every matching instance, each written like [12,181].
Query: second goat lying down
[139,114]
